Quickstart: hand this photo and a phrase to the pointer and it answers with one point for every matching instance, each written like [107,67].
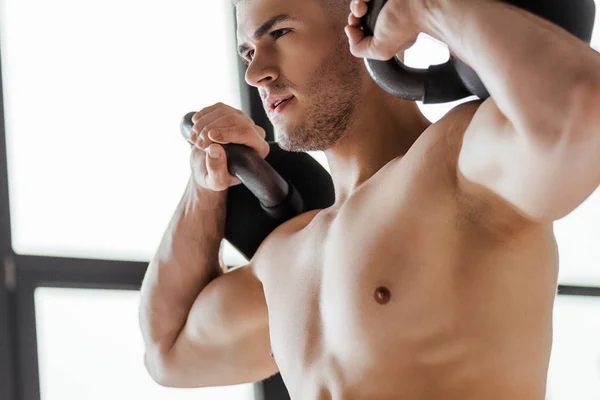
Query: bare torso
[412,289]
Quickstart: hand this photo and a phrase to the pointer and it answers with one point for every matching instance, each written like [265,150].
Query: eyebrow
[264,29]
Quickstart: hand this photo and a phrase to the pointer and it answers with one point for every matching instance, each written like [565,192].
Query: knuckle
[266,149]
[238,118]
[251,136]
[196,117]
[261,132]
[228,119]
[202,113]
[200,141]
[197,128]
[232,133]
[202,134]
[217,134]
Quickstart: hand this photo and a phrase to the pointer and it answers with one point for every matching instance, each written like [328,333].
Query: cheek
[303,61]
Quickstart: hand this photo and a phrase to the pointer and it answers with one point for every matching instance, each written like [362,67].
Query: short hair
[335,8]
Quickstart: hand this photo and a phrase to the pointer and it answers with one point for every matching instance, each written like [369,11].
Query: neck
[383,128]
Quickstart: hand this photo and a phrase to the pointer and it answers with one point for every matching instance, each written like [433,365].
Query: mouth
[280,105]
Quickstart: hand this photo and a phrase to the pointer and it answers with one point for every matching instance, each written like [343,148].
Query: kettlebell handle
[277,197]
[437,84]
[455,80]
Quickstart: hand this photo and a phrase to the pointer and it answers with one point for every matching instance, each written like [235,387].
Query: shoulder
[280,241]
[437,156]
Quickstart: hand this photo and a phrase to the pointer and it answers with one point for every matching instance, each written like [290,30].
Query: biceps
[194,364]
[541,177]
[226,337]
[228,308]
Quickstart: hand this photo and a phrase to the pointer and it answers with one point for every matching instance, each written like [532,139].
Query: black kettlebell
[274,190]
[455,80]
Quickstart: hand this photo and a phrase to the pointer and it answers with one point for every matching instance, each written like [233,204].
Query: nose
[262,71]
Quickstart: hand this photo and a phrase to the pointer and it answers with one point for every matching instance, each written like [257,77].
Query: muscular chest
[357,286]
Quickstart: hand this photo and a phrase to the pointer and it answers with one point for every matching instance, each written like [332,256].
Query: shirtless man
[433,275]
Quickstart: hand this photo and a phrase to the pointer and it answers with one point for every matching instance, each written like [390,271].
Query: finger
[202,142]
[216,168]
[207,110]
[354,21]
[359,8]
[261,132]
[199,140]
[231,118]
[356,36]
[224,121]
[193,137]
[371,47]
[217,176]
[227,120]
[237,123]
[198,166]
[246,135]
[196,156]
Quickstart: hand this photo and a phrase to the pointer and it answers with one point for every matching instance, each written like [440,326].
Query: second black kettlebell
[455,80]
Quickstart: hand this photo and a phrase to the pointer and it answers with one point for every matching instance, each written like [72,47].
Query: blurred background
[92,166]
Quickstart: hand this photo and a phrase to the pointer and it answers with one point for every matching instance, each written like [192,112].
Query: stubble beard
[334,93]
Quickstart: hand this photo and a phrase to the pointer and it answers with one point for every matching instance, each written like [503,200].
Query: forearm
[533,69]
[187,259]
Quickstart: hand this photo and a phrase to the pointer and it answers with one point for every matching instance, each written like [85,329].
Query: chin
[284,142]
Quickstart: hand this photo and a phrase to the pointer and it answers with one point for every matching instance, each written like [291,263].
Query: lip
[281,107]
[269,103]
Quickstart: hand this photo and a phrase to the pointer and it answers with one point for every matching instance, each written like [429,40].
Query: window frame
[20,275]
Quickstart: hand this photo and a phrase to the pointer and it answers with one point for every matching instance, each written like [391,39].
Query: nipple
[382,295]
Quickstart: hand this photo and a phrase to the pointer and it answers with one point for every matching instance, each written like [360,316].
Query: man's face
[304,55]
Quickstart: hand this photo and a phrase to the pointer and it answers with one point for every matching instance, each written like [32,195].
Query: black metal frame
[7,309]
[21,275]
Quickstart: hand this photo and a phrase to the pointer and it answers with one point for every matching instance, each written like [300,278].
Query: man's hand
[397,28]
[216,125]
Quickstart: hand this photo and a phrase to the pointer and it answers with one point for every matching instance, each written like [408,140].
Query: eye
[276,34]
[248,57]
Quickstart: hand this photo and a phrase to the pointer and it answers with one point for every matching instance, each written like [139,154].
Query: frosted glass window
[93,95]
[94,92]
[577,236]
[596,33]
[575,362]
[90,347]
